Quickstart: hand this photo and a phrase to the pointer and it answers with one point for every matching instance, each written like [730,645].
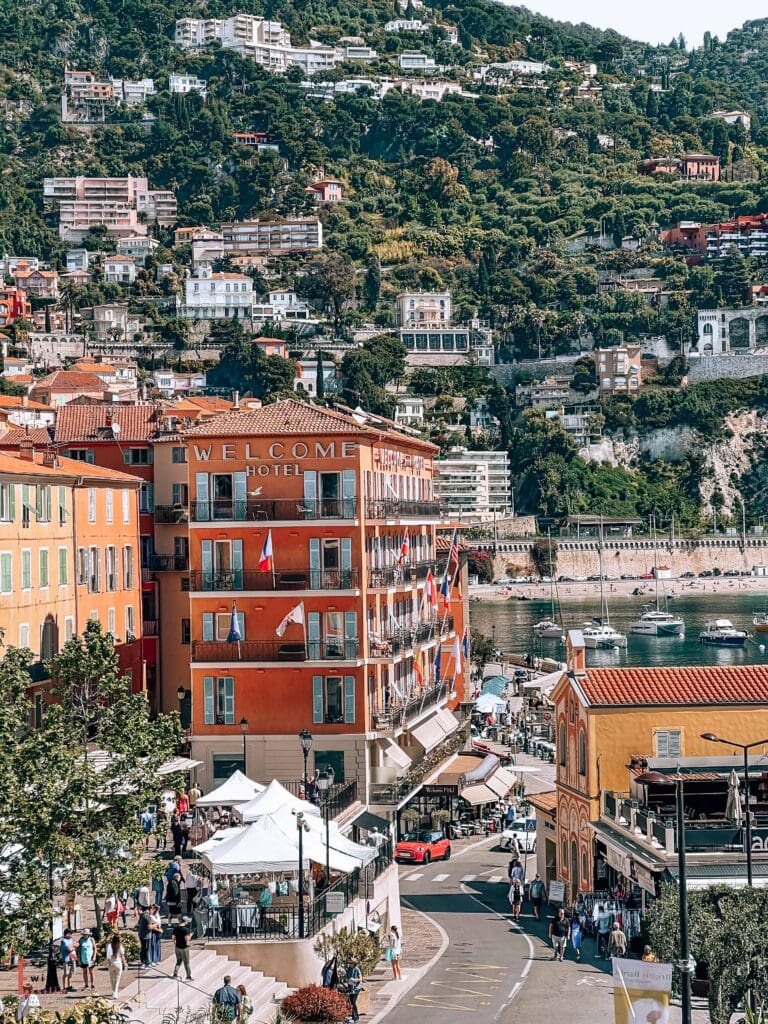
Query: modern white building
[262,237]
[283,307]
[133,93]
[123,206]
[119,269]
[187,83]
[409,410]
[414,60]
[216,296]
[474,485]
[172,383]
[77,259]
[428,309]
[137,246]
[406,25]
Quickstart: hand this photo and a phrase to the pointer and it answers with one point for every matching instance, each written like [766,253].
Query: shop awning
[428,734]
[479,795]
[447,721]
[178,764]
[396,756]
[731,873]
[501,781]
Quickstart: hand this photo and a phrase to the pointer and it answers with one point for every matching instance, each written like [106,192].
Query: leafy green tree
[320,386]
[244,367]
[330,281]
[372,283]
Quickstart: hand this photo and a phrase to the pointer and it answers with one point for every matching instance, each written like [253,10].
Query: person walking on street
[29,1004]
[173,896]
[155,935]
[116,962]
[181,948]
[226,1001]
[577,934]
[143,933]
[192,884]
[246,1006]
[177,834]
[86,956]
[354,985]
[537,896]
[603,931]
[516,898]
[68,955]
[559,930]
[617,943]
[394,951]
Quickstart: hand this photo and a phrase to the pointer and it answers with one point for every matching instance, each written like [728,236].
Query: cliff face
[727,461]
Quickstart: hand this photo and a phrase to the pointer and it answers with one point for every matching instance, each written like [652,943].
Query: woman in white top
[29,1004]
[116,962]
[394,951]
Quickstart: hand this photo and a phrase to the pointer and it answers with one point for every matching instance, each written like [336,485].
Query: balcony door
[330,562]
[222,564]
[330,495]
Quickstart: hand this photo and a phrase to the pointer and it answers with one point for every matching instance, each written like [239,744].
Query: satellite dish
[115,429]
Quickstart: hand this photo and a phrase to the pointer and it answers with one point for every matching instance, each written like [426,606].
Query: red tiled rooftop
[89,422]
[696,685]
[71,380]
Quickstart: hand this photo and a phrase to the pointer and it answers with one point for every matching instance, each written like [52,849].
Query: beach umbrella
[733,805]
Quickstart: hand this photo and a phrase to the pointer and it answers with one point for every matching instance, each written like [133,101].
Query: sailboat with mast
[549,629]
[656,621]
[599,634]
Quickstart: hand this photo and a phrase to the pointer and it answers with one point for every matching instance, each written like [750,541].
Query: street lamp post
[658,779]
[744,748]
[181,695]
[324,783]
[302,827]
[244,731]
[305,738]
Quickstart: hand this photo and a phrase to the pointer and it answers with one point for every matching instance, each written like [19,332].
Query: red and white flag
[296,614]
[430,590]
[405,548]
[265,559]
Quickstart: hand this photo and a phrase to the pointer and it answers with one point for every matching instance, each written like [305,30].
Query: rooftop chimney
[236,399]
[50,458]
[27,450]
[575,657]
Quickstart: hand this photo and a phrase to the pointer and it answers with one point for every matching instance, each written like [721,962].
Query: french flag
[265,559]
[445,590]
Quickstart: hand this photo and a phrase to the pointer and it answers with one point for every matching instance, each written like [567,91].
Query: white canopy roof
[238,789]
[490,702]
[337,841]
[273,799]
[545,683]
[261,846]
[178,764]
[217,839]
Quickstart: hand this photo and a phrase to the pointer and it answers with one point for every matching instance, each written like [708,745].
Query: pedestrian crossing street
[483,876]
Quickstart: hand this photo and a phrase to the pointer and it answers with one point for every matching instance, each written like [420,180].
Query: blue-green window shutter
[237,564]
[229,699]
[317,699]
[207,625]
[313,635]
[315,576]
[350,634]
[209,710]
[349,699]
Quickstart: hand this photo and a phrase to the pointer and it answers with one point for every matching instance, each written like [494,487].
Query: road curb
[419,973]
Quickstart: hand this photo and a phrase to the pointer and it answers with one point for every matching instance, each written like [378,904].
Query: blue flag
[438,663]
[234,636]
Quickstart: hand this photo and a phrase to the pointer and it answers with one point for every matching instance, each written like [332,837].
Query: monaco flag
[265,559]
[430,592]
[405,548]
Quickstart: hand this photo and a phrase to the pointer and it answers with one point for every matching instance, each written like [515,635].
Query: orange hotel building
[69,544]
[336,493]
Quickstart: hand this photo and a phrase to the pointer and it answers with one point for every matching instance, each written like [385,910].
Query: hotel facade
[313,596]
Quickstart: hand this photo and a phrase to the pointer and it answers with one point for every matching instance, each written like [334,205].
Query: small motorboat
[760,622]
[654,622]
[548,629]
[722,633]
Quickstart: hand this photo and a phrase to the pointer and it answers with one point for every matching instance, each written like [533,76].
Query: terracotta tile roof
[64,468]
[545,802]
[20,378]
[14,436]
[697,684]
[21,402]
[71,380]
[288,417]
[91,367]
[90,422]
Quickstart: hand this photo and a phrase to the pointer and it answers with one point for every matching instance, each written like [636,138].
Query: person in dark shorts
[559,930]
[537,896]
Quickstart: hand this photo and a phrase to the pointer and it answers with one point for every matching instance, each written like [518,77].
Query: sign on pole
[557,892]
[641,991]
[334,903]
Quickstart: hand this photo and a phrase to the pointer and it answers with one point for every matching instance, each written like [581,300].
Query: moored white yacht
[722,633]
[602,636]
[654,622]
[548,630]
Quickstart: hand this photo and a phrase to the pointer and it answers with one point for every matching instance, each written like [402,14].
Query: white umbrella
[733,805]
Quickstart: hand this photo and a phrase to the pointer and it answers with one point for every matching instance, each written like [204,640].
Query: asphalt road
[492,968]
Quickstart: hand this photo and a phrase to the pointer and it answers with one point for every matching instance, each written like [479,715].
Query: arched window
[582,753]
[584,867]
[562,743]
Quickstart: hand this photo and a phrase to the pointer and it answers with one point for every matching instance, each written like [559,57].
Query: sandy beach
[627,588]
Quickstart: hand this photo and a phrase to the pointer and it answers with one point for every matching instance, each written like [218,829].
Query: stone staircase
[155,996]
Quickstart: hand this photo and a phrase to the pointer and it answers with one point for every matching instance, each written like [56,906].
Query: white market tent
[490,702]
[272,800]
[545,683]
[178,764]
[238,789]
[259,847]
[337,840]
[217,839]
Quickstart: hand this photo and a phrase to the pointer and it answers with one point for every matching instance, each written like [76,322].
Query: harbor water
[514,621]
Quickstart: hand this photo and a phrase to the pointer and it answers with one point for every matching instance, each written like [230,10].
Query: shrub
[131,945]
[317,1004]
[344,944]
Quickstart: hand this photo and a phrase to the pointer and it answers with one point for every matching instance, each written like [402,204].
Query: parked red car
[422,847]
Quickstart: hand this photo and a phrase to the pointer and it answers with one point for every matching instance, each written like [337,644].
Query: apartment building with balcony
[612,724]
[475,486]
[214,296]
[267,237]
[423,309]
[619,369]
[14,303]
[123,206]
[185,84]
[298,520]
[68,550]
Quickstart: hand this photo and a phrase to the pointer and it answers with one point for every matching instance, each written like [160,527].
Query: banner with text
[641,992]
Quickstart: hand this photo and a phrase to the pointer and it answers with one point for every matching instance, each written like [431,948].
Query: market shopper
[181,939]
[617,942]
[603,931]
[86,957]
[116,962]
[559,930]
[537,896]
[226,1001]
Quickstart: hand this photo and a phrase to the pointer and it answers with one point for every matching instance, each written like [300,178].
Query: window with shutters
[137,456]
[668,743]
[112,573]
[69,628]
[82,566]
[109,495]
[216,626]
[126,505]
[43,507]
[26,569]
[43,567]
[333,699]
[6,572]
[219,700]
[49,639]
[24,634]
[111,621]
[26,508]
[128,563]
[7,503]
[94,570]
[130,624]
[147,498]
[185,631]
[62,502]
[82,455]
[91,504]
[178,454]
[63,567]
[180,494]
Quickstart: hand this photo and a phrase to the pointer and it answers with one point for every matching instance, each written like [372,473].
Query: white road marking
[469,878]
[515,990]
[414,876]
[440,878]
[496,878]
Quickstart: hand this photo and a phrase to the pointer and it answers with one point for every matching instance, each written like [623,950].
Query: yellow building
[611,722]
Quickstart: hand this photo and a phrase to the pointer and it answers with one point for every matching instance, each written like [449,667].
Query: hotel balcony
[275,650]
[399,642]
[303,579]
[402,509]
[400,712]
[168,563]
[282,510]
[171,515]
[399,575]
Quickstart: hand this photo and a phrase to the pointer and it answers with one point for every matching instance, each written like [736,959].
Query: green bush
[345,944]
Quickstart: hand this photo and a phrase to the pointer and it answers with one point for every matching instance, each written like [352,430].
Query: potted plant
[440,819]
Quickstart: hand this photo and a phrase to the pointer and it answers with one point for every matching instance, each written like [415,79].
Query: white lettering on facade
[228,452]
[276,450]
[299,450]
[202,454]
